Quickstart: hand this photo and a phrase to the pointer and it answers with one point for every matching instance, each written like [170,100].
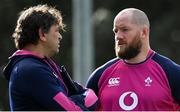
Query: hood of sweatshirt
[14,59]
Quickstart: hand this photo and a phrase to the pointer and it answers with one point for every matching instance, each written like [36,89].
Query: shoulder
[32,72]
[172,71]
[31,61]
[95,76]
[31,64]
[167,64]
[102,68]
[30,69]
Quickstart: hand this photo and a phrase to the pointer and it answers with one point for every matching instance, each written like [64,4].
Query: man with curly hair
[35,81]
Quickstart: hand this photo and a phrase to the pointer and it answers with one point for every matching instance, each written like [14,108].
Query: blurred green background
[164,16]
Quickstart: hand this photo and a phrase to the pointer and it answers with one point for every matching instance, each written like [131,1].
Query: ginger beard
[128,50]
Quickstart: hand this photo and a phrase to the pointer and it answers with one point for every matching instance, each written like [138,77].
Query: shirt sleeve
[95,76]
[172,71]
[93,80]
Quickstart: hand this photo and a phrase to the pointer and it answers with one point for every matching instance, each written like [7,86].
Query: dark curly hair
[31,20]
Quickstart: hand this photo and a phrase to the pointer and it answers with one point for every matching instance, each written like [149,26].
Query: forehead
[55,26]
[123,19]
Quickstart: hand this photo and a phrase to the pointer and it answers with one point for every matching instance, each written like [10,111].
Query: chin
[120,53]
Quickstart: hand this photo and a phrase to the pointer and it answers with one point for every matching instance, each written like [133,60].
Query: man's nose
[118,36]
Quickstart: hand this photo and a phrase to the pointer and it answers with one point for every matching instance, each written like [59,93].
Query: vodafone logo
[122,101]
[113,81]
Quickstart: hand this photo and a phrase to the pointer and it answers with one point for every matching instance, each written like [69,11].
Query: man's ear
[145,32]
[41,35]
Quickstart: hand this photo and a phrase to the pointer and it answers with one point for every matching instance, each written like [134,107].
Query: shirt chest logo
[148,81]
[114,81]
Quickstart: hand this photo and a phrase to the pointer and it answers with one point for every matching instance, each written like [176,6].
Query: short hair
[137,16]
[140,18]
[31,20]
